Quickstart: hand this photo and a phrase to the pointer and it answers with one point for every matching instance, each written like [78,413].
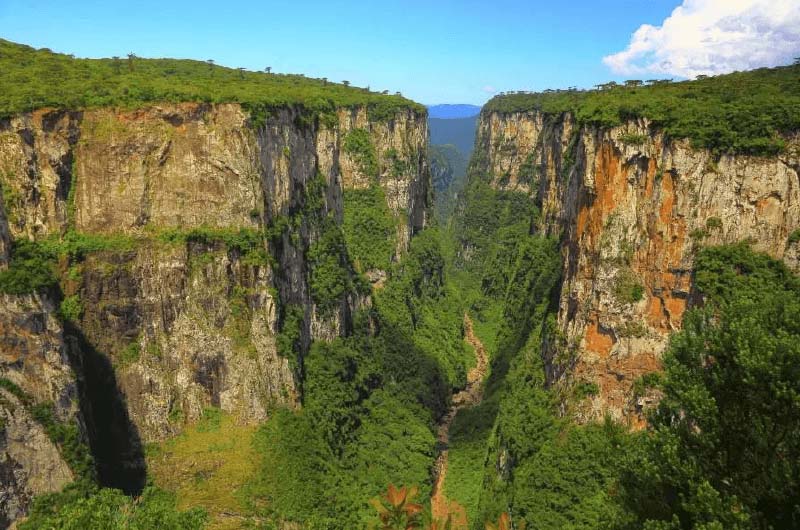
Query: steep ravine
[471,395]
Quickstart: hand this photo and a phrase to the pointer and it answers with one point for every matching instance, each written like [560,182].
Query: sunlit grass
[206,467]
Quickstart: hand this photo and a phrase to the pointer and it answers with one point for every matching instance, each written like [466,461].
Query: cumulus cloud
[714,37]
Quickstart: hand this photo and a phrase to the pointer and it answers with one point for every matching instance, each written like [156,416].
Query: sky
[432,51]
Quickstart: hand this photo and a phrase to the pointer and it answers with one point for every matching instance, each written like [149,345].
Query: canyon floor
[471,395]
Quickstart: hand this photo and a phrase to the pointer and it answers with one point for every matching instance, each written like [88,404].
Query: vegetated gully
[471,395]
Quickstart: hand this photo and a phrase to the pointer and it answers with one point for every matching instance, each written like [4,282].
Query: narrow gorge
[240,299]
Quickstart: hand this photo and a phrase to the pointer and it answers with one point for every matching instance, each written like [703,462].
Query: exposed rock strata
[633,207]
[179,325]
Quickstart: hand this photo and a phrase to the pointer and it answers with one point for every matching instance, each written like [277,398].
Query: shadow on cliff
[113,438]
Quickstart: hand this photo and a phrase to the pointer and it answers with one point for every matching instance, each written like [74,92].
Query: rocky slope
[632,207]
[190,226]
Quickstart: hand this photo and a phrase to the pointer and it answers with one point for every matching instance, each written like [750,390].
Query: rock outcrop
[632,208]
[5,237]
[34,370]
[193,224]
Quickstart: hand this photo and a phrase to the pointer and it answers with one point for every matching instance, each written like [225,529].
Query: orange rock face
[632,219]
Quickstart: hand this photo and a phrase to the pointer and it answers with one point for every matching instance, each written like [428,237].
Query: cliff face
[196,224]
[35,370]
[633,207]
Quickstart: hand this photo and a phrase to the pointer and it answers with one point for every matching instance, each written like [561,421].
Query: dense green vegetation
[723,450]
[330,278]
[705,461]
[31,269]
[370,401]
[358,145]
[40,78]
[743,112]
[79,508]
[513,453]
[369,228]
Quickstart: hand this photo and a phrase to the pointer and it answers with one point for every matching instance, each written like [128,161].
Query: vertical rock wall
[174,324]
[633,208]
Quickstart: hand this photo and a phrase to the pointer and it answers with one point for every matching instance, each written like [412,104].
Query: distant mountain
[458,132]
[450,112]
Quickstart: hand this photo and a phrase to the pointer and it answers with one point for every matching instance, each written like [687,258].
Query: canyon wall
[632,208]
[183,232]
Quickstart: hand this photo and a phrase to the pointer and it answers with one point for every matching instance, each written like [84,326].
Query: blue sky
[434,52]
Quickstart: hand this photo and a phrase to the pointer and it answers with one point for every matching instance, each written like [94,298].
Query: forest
[34,79]
[744,112]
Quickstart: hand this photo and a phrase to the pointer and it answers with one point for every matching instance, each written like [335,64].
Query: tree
[131,57]
[796,61]
[116,64]
[633,83]
[241,72]
[346,83]
[210,64]
[724,446]
[268,70]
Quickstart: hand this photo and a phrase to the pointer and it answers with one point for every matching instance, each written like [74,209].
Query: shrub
[628,290]
[129,354]
[633,139]
[358,144]
[32,268]
[71,308]
[714,223]
[584,389]
[642,383]
[288,339]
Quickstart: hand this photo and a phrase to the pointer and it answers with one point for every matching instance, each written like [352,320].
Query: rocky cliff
[182,236]
[632,207]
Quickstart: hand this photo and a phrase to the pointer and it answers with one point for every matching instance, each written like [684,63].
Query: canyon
[295,270]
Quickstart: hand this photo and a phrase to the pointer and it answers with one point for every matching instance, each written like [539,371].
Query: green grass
[40,78]
[744,112]
[207,467]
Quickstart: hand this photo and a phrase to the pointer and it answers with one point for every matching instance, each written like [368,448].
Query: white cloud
[714,37]
[489,89]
